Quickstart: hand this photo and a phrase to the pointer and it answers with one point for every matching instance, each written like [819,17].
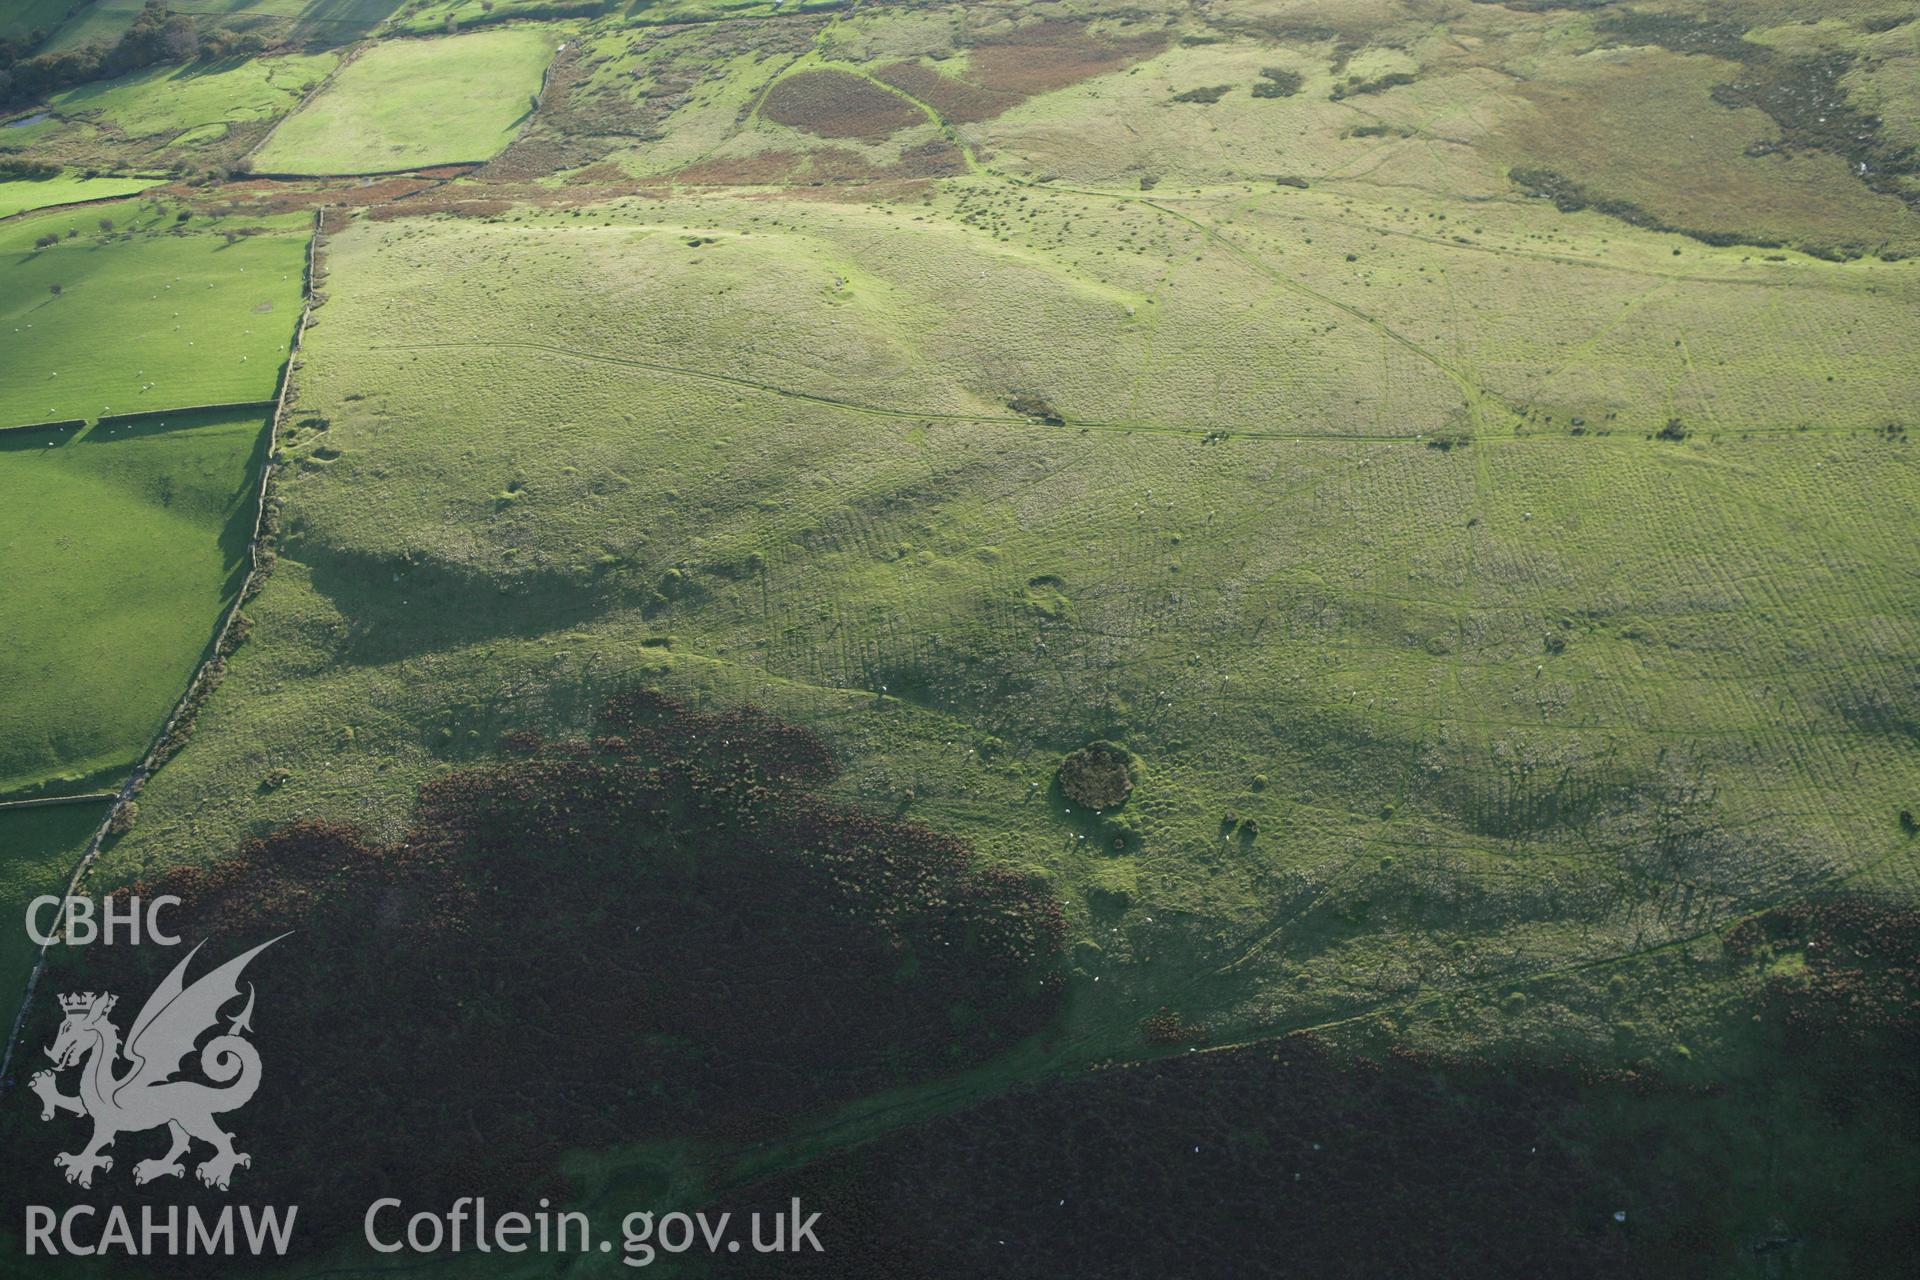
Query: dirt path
[1112,425]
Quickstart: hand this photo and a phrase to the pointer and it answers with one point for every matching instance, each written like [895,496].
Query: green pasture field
[178,105]
[25,196]
[38,849]
[123,544]
[431,17]
[193,319]
[25,16]
[413,103]
[94,22]
[104,21]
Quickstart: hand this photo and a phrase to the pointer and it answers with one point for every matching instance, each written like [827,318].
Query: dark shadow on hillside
[398,608]
[819,954]
[236,531]
[160,422]
[36,439]
[236,535]
[211,66]
[337,22]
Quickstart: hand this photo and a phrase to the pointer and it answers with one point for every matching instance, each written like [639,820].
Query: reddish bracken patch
[955,100]
[1053,55]
[1005,70]
[834,104]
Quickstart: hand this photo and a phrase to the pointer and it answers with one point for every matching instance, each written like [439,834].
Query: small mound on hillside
[834,104]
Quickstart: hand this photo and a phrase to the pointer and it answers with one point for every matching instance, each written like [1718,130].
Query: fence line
[39,802]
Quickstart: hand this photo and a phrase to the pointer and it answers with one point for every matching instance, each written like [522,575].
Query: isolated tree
[179,41]
[106,224]
[55,290]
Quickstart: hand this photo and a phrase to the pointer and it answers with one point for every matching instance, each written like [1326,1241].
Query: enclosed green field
[412,103]
[104,21]
[38,849]
[25,196]
[122,544]
[196,101]
[155,313]
[333,22]
[25,16]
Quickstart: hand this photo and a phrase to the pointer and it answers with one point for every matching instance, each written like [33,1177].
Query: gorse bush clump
[1098,775]
[1278,82]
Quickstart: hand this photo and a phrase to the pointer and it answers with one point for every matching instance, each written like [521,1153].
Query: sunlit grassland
[179,105]
[104,21]
[24,196]
[38,849]
[416,102]
[1567,694]
[152,313]
[123,543]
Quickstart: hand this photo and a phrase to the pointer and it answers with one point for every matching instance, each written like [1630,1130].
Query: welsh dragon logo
[147,1096]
